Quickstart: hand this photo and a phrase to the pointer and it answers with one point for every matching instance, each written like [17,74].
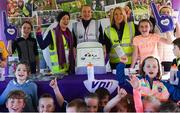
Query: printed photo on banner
[97,5]
[47,17]
[122,4]
[17,22]
[19,8]
[75,16]
[39,5]
[126,5]
[71,6]
[99,15]
[140,11]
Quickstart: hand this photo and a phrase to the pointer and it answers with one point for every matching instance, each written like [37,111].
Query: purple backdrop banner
[3,5]
[176,6]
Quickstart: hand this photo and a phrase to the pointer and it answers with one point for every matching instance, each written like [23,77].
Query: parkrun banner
[92,85]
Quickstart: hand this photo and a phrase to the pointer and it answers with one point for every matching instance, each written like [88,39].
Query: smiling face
[64,22]
[144,28]
[166,11]
[118,16]
[151,67]
[26,30]
[15,105]
[21,73]
[86,13]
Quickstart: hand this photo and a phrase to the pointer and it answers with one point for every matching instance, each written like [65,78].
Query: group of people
[137,43]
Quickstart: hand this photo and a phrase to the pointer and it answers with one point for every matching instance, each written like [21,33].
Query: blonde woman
[119,34]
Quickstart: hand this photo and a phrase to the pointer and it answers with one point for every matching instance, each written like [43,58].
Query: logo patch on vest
[80,37]
[160,89]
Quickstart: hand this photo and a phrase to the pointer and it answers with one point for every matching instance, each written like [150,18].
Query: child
[26,47]
[165,50]
[146,44]
[121,93]
[148,104]
[169,106]
[176,51]
[167,10]
[175,70]
[76,105]
[21,82]
[103,96]
[92,102]
[126,104]
[46,103]
[150,81]
[16,101]
[3,55]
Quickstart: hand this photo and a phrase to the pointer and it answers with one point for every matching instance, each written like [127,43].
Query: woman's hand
[124,59]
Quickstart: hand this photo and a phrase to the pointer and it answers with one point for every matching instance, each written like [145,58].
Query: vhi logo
[110,85]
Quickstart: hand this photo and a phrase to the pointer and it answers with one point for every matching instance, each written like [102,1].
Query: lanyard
[86,34]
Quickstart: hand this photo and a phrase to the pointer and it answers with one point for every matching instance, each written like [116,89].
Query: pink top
[147,46]
[137,100]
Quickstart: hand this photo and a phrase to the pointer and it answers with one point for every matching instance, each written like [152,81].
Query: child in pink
[146,44]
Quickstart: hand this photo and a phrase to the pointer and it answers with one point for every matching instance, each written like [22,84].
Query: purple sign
[3,5]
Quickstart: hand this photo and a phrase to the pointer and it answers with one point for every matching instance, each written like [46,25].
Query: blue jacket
[29,88]
[173,91]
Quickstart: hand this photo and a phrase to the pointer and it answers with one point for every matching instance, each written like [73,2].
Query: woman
[119,35]
[60,43]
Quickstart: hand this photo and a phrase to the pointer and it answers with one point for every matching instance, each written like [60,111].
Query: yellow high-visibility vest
[55,67]
[125,43]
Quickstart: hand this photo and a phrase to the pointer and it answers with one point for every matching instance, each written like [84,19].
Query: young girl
[146,44]
[26,47]
[165,50]
[21,82]
[145,104]
[150,81]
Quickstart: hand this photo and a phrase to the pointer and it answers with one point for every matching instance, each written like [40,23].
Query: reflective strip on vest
[90,34]
[125,43]
[56,68]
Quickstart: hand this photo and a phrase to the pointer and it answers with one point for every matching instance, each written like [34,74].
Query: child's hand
[134,81]
[124,59]
[53,83]
[164,22]
[121,92]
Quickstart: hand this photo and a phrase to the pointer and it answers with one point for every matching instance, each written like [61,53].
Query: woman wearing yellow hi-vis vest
[118,38]
[60,43]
